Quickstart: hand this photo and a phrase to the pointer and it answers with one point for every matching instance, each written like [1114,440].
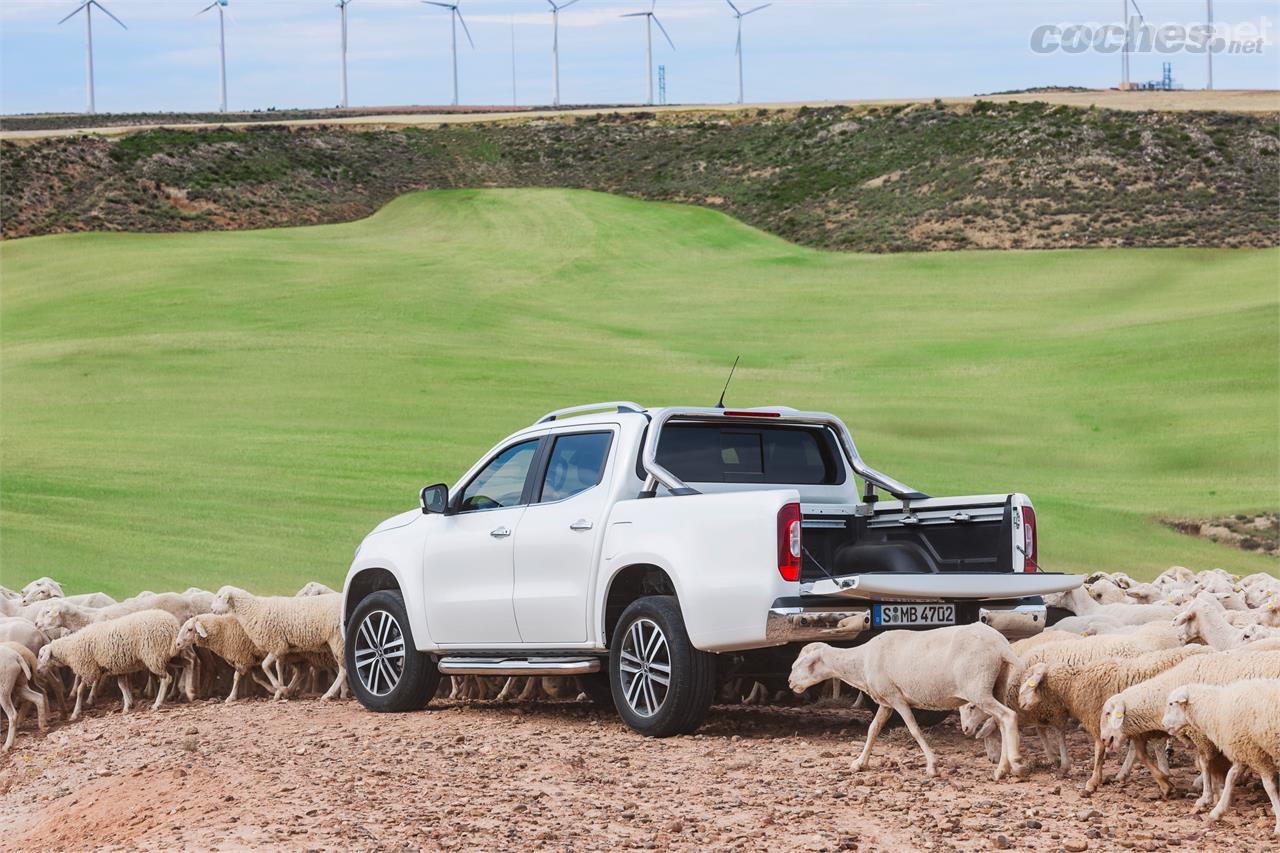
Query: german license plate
[903,615]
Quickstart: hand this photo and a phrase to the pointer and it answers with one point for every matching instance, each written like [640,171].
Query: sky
[285,53]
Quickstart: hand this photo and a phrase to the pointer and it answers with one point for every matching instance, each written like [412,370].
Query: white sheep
[1080,603]
[977,724]
[938,670]
[1106,591]
[16,677]
[1242,721]
[60,613]
[1205,619]
[226,638]
[315,588]
[1082,689]
[136,642]
[282,624]
[1135,714]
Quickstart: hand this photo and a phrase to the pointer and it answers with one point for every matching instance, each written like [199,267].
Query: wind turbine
[555,49]
[1209,53]
[455,17]
[650,20]
[738,48]
[342,12]
[222,47]
[1124,50]
[87,7]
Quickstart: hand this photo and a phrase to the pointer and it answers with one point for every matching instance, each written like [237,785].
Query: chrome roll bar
[657,474]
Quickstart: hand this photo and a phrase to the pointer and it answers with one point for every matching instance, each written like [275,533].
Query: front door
[559,538]
[469,560]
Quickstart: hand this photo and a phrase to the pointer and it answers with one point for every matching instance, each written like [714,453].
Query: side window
[576,464]
[501,482]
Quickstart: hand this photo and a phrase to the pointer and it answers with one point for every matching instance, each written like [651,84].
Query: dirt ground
[313,776]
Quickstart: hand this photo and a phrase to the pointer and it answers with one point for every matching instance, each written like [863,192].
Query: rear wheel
[661,684]
[384,668]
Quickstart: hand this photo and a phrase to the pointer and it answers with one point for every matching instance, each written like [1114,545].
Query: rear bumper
[941,587]
[797,624]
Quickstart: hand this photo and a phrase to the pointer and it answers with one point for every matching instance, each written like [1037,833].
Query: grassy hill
[902,177]
[244,406]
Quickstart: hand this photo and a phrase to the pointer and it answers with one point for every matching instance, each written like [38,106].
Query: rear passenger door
[558,542]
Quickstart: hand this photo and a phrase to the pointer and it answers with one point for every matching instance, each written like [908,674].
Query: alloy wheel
[379,652]
[645,667]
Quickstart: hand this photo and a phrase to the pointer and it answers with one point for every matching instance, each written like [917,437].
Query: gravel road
[562,776]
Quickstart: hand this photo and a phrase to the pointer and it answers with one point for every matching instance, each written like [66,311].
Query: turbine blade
[756,9]
[567,5]
[553,6]
[628,15]
[212,5]
[74,12]
[733,7]
[463,21]
[441,5]
[664,30]
[102,8]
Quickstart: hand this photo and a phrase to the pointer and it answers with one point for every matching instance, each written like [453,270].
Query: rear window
[719,453]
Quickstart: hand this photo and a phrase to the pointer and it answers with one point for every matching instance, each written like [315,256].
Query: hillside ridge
[918,177]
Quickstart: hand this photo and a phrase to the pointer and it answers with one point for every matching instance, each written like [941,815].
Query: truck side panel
[720,552]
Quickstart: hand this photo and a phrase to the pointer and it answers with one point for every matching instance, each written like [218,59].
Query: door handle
[500,532]
[580,524]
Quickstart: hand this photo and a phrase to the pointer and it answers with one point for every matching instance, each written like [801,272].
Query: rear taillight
[789,542]
[1030,559]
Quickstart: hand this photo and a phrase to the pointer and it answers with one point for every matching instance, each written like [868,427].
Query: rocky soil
[561,776]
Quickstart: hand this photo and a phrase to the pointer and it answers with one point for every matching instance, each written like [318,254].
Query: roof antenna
[720,405]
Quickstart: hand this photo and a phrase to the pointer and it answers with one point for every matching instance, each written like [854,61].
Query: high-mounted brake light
[737,414]
[1030,559]
[789,549]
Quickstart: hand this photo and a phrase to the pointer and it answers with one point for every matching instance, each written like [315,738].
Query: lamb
[120,647]
[1134,714]
[1082,689]
[16,676]
[315,588]
[1206,620]
[59,613]
[939,670]
[40,589]
[226,638]
[1080,603]
[1241,721]
[1106,591]
[282,624]
[975,723]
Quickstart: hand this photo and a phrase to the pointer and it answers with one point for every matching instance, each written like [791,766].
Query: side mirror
[434,499]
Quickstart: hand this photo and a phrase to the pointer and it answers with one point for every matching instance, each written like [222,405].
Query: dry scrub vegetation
[879,178]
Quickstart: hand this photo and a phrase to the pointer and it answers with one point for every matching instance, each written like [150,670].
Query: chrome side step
[518,666]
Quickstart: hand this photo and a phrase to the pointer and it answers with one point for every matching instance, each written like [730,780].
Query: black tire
[597,687]
[413,677]
[683,705]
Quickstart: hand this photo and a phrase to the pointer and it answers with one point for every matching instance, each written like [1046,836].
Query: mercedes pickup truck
[656,553]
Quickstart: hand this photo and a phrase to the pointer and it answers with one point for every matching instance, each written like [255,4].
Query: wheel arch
[628,583]
[365,582]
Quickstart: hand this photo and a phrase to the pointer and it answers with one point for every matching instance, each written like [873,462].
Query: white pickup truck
[654,553]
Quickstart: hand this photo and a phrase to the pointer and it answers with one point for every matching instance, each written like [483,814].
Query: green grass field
[242,407]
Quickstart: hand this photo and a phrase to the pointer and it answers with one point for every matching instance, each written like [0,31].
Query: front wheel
[662,685]
[385,669]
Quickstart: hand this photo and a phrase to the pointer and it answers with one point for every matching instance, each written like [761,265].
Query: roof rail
[616,405]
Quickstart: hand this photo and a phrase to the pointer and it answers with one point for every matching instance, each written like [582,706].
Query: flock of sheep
[1189,658]
[1192,658]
